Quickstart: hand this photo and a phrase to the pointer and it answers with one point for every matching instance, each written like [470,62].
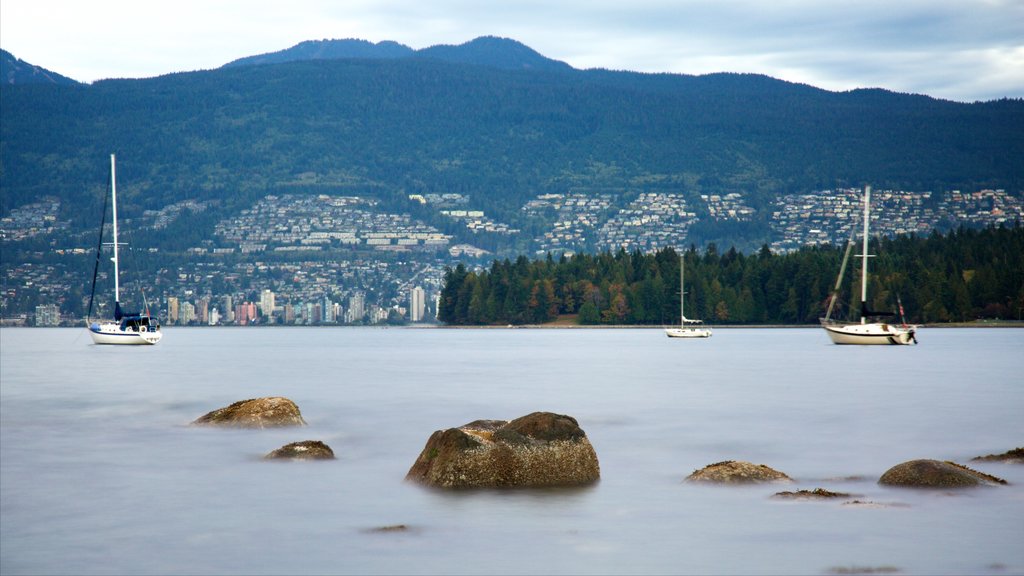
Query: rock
[816,494]
[269,412]
[387,529]
[737,472]
[305,450]
[936,474]
[539,449]
[1015,456]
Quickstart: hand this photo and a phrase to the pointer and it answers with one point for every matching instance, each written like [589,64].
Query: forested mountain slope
[444,123]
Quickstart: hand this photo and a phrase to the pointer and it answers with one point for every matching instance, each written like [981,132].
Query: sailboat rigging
[687,328]
[869,330]
[126,327]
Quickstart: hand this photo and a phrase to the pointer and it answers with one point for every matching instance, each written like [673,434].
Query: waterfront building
[417,304]
[47,315]
[267,305]
[172,310]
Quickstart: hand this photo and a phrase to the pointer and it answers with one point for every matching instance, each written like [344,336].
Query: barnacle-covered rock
[271,412]
[539,449]
[737,472]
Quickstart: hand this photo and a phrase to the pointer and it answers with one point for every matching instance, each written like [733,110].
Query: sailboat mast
[113,202]
[864,252]
[682,292]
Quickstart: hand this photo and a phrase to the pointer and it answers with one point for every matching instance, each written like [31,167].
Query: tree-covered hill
[463,123]
[965,275]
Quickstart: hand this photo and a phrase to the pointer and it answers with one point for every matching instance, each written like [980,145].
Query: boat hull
[688,332]
[114,334]
[876,333]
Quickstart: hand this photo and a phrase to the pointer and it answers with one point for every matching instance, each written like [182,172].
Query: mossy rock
[936,474]
[737,472]
[270,412]
[538,450]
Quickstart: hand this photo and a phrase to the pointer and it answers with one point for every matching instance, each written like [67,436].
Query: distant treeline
[962,276]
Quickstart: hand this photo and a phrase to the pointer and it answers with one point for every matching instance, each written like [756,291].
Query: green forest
[961,276]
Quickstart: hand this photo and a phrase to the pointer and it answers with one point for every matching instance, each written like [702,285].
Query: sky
[962,50]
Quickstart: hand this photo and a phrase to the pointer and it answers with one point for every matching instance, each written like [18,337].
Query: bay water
[100,472]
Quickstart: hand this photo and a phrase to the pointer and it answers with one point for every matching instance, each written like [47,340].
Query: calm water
[101,474]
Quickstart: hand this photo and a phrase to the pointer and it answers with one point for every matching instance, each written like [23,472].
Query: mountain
[16,71]
[495,52]
[484,51]
[328,50]
[490,120]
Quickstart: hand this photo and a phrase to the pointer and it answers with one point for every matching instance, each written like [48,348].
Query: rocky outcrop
[1015,456]
[272,412]
[305,450]
[539,449]
[936,474]
[737,472]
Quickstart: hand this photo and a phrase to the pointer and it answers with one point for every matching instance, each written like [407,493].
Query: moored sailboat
[688,328]
[869,330]
[126,327]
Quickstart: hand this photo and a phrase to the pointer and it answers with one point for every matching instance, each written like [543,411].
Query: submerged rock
[271,412]
[936,474]
[539,449]
[816,494]
[1015,456]
[737,472]
[305,450]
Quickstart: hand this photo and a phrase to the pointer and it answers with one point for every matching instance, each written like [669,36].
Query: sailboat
[869,330]
[687,328]
[126,327]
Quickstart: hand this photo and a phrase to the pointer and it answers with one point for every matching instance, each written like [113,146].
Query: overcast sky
[963,50]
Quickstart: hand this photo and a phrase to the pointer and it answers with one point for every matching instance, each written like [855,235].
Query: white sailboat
[687,328]
[126,327]
[866,331]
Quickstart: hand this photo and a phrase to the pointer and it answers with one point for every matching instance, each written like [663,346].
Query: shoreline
[560,326]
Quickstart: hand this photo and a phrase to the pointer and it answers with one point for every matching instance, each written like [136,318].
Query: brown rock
[269,412]
[539,449]
[936,474]
[1015,456]
[305,450]
[737,472]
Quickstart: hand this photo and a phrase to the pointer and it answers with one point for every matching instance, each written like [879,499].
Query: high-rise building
[172,310]
[327,311]
[356,307]
[229,309]
[267,306]
[203,310]
[214,317]
[187,312]
[417,304]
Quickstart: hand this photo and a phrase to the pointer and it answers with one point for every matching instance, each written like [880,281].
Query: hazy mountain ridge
[484,51]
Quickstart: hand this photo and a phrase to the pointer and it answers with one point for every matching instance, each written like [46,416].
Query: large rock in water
[539,449]
[737,472]
[272,412]
[936,474]
[305,450]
